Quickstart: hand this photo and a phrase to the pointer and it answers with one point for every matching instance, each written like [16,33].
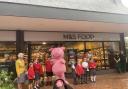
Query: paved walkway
[106,81]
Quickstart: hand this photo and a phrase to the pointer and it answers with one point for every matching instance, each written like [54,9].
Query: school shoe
[82,82]
[86,82]
[94,81]
[37,86]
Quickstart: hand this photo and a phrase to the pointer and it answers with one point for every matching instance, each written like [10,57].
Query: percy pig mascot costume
[58,61]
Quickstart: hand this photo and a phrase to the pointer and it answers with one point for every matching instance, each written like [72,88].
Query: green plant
[5,80]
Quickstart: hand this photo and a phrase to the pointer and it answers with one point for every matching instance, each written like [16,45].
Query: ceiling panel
[41,24]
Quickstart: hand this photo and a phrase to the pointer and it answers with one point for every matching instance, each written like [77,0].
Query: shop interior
[7,54]
[103,52]
[7,51]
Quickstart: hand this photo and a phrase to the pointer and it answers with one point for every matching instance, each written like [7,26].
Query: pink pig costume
[58,61]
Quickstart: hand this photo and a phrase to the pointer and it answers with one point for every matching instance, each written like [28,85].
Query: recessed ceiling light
[125,3]
[44,43]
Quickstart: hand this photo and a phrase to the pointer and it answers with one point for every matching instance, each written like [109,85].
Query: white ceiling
[40,24]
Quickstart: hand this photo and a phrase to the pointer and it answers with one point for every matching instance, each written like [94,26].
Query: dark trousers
[85,76]
[76,79]
[118,67]
[74,76]
[79,79]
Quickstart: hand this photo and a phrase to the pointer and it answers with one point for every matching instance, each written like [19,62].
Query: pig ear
[63,48]
[51,49]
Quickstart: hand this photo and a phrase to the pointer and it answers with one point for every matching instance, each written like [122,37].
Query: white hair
[20,55]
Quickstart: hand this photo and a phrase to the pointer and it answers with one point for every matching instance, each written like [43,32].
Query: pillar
[122,48]
[19,41]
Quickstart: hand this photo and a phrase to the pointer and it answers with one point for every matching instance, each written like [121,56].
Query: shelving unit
[101,58]
[6,51]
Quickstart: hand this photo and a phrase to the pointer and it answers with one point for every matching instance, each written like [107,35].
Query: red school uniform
[92,65]
[31,73]
[48,66]
[79,70]
[38,68]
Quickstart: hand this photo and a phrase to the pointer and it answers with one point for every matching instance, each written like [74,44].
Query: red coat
[31,73]
[48,66]
[79,70]
[38,68]
[92,65]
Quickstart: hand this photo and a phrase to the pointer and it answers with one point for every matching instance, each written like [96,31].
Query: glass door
[103,53]
[110,49]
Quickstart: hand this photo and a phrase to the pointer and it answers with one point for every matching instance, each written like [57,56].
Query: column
[19,41]
[122,48]
[29,52]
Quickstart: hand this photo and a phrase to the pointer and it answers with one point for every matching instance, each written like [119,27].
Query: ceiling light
[44,43]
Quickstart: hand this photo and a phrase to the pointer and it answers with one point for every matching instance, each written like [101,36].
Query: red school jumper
[79,70]
[92,65]
[48,66]
[31,73]
[38,68]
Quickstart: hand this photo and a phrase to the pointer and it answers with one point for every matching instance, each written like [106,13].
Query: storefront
[31,20]
[102,45]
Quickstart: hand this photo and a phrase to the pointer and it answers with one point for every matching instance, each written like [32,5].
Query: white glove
[73,67]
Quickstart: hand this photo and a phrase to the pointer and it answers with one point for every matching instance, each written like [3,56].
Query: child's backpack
[60,83]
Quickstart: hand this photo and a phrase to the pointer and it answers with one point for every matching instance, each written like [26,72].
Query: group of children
[83,70]
[36,71]
[34,74]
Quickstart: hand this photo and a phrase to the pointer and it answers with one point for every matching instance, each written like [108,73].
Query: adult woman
[20,70]
[118,64]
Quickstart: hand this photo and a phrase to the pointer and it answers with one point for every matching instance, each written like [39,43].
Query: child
[92,66]
[49,72]
[38,72]
[86,70]
[73,65]
[79,71]
[31,76]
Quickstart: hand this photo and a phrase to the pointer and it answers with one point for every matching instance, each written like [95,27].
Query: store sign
[70,36]
[79,36]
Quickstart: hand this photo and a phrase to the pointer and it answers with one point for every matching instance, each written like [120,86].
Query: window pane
[110,49]
[74,45]
[7,51]
[97,50]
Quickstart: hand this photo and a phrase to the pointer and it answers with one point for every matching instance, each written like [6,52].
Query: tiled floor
[106,81]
